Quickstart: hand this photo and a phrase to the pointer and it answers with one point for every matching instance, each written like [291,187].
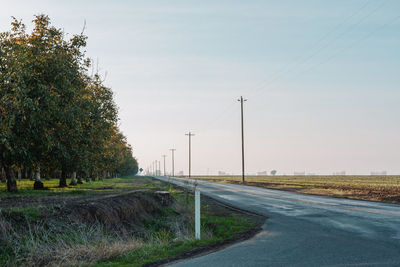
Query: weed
[60,244]
[32,212]
[173,236]
[36,241]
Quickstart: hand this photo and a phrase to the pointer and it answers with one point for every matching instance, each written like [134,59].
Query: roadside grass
[165,245]
[167,235]
[59,244]
[377,188]
[152,252]
[32,212]
[25,187]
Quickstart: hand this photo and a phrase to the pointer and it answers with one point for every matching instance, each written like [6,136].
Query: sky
[321,79]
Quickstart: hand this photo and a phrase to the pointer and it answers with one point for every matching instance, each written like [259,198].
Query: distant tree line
[56,120]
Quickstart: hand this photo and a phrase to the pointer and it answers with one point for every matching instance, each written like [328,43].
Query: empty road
[306,230]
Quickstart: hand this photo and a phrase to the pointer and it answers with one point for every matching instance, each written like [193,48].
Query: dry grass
[62,254]
[30,241]
[39,244]
[45,236]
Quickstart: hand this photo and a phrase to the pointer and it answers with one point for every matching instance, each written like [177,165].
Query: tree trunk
[32,176]
[19,174]
[11,181]
[38,185]
[3,175]
[73,179]
[63,179]
[104,176]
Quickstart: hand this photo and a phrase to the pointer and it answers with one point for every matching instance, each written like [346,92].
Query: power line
[302,60]
[338,51]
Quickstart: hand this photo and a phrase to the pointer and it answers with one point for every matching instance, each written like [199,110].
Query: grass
[40,244]
[25,187]
[164,244]
[221,229]
[36,241]
[152,253]
[32,212]
[377,188]
[226,227]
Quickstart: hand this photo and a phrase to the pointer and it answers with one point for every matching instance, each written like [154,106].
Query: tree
[53,115]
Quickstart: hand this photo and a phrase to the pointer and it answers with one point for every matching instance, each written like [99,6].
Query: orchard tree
[47,77]
[53,115]
[13,102]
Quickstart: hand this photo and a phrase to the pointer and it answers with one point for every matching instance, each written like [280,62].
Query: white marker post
[197,213]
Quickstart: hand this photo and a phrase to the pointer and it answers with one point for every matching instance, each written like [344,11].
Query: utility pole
[159,168]
[173,163]
[164,156]
[241,113]
[190,154]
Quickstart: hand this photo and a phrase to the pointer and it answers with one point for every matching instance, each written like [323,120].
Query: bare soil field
[373,188]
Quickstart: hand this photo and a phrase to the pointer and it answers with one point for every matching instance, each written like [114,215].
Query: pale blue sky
[321,77]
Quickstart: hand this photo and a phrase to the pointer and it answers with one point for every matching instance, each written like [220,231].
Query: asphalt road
[306,230]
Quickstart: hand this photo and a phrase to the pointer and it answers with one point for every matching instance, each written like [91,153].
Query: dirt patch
[45,200]
[113,211]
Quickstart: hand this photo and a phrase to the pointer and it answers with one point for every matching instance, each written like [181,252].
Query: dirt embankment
[128,215]
[113,211]
[128,211]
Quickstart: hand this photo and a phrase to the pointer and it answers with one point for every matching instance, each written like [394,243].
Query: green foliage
[225,227]
[54,117]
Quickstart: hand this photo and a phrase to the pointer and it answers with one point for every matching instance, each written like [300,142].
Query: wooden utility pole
[173,163]
[190,144]
[241,113]
[164,156]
